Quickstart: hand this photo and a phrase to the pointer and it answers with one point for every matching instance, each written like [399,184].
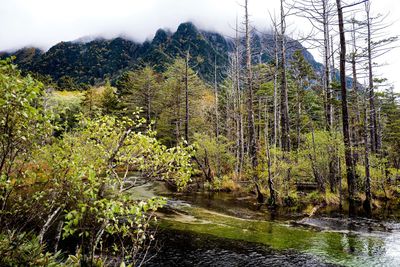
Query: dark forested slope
[92,62]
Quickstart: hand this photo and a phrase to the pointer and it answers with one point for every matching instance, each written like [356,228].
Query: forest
[252,118]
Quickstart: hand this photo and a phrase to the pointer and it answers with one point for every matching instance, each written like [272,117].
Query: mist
[43,23]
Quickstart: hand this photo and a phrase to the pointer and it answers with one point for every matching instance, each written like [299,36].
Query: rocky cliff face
[92,62]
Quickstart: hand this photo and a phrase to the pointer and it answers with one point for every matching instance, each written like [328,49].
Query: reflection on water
[341,242]
[346,248]
[192,249]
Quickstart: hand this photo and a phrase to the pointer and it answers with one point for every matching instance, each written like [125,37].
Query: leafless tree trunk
[251,127]
[320,13]
[345,116]
[178,115]
[272,192]
[216,116]
[325,22]
[276,113]
[239,114]
[187,97]
[368,197]
[354,54]
[284,95]
[372,111]
[276,135]
[298,115]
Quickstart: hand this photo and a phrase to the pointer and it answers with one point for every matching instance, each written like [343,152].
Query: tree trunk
[272,193]
[251,130]
[372,114]
[276,114]
[298,116]
[345,116]
[187,98]
[368,198]
[284,95]
[178,115]
[333,93]
[240,133]
[216,116]
[327,64]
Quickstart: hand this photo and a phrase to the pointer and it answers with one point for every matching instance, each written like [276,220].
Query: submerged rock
[343,224]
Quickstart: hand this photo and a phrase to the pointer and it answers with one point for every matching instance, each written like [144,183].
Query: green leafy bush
[23,249]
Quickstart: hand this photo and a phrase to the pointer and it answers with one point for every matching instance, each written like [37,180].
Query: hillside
[92,62]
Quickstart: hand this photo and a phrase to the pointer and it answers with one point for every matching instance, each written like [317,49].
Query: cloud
[43,23]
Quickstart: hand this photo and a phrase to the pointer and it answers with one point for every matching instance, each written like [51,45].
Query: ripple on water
[203,231]
[188,249]
[327,245]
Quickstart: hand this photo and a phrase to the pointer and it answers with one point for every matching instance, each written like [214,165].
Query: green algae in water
[343,248]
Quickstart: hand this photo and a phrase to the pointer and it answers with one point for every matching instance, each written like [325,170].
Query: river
[218,230]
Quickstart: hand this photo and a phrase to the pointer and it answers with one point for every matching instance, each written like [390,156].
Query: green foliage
[301,70]
[23,126]
[76,178]
[391,124]
[79,177]
[67,83]
[141,89]
[318,150]
[92,102]
[306,165]
[22,119]
[84,165]
[109,101]
[224,183]
[214,156]
[171,121]
[64,107]
[22,249]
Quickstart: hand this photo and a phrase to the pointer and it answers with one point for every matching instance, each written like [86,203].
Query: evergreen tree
[109,99]
[141,89]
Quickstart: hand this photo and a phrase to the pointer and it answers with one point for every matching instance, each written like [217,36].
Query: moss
[334,247]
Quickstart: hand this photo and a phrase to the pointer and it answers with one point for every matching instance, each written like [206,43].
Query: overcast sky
[43,23]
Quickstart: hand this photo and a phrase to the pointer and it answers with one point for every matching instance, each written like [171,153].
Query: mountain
[91,61]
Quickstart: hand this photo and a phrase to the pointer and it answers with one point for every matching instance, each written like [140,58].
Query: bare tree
[284,106]
[320,14]
[351,180]
[374,49]
[250,108]
[216,115]
[238,101]
[275,32]
[187,96]
[368,197]
[373,124]
[272,192]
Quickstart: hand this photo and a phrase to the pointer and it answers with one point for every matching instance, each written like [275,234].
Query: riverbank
[241,202]
[209,229]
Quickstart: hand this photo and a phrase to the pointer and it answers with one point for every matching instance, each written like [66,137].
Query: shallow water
[179,248]
[204,231]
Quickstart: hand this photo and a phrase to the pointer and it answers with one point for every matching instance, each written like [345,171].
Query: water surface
[214,231]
